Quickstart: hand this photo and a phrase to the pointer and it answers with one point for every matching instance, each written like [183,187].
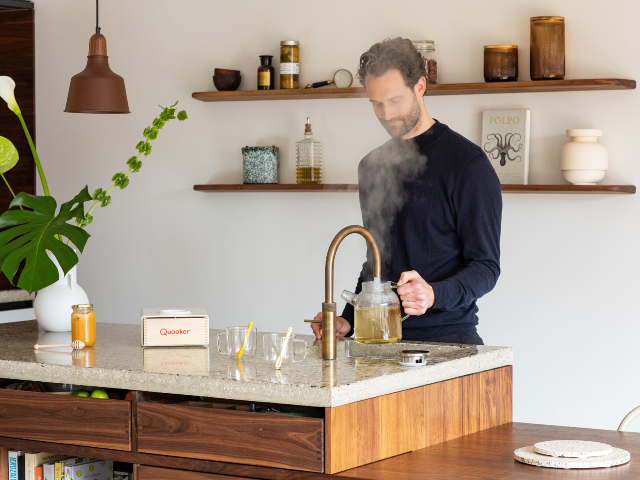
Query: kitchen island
[325,416]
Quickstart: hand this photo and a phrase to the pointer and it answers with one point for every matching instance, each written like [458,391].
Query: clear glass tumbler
[273,346]
[235,337]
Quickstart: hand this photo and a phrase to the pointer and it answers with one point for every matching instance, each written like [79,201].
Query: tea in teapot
[377,313]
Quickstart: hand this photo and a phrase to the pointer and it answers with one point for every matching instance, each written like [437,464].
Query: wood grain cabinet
[231,436]
[47,417]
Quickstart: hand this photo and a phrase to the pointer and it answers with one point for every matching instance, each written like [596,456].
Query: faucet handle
[312,321]
[349,297]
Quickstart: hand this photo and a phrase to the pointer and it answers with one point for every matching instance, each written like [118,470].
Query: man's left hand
[416,295]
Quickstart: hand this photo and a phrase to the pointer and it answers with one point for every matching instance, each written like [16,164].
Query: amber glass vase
[500,63]
[547,48]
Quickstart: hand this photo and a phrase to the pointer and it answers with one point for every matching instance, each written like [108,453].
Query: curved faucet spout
[331,255]
[329,349]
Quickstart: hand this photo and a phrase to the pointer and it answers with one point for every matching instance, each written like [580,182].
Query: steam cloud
[382,177]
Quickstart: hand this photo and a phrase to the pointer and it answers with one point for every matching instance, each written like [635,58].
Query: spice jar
[83,324]
[427,48]
[500,63]
[289,64]
[547,48]
[266,73]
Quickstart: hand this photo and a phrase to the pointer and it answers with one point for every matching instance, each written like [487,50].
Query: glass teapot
[377,313]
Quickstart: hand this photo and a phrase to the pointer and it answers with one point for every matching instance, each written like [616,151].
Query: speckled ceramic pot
[260,164]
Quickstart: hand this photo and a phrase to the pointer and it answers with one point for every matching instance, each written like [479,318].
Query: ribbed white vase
[53,303]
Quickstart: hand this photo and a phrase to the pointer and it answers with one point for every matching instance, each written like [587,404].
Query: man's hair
[392,54]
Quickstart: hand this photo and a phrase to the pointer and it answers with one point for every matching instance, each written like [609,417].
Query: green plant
[27,234]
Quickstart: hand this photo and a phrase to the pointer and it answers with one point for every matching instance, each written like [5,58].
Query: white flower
[7,86]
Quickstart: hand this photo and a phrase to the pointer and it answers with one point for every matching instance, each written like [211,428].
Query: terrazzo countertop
[118,361]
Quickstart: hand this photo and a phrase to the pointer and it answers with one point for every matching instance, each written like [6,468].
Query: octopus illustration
[502,147]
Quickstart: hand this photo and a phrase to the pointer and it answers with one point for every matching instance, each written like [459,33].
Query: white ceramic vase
[583,160]
[53,303]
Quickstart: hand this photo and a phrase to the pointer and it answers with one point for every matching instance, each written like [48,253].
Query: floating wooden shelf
[612,189]
[444,89]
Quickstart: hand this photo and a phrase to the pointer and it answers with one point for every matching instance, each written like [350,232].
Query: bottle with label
[289,64]
[266,73]
[83,324]
[308,158]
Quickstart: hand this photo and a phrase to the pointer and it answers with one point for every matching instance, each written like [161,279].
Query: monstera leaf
[30,232]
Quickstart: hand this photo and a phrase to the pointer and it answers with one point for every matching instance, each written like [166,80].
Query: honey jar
[83,324]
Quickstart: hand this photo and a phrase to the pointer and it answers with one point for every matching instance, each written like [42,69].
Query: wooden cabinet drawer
[231,436]
[66,419]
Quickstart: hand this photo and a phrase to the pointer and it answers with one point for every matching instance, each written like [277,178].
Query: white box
[98,470]
[166,328]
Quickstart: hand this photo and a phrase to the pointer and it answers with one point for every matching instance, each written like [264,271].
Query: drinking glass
[235,337]
[273,343]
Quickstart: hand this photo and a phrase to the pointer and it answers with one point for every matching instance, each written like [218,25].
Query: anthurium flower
[7,87]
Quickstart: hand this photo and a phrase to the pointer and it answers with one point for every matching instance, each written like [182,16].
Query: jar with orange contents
[83,324]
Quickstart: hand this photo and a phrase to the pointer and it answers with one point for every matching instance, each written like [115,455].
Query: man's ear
[420,87]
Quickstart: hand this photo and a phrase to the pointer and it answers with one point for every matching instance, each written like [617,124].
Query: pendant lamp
[97,89]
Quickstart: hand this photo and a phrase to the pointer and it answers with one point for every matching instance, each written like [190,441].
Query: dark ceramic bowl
[227,83]
[224,71]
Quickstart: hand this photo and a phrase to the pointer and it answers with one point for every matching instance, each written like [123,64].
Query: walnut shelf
[443,89]
[601,189]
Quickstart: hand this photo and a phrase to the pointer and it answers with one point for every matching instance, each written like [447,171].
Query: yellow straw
[246,336]
[284,346]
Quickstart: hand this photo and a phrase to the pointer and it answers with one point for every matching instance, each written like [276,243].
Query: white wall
[567,297]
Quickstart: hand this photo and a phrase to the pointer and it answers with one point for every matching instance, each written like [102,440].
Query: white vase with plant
[33,236]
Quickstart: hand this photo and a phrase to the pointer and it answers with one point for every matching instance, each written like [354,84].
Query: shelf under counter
[283,187]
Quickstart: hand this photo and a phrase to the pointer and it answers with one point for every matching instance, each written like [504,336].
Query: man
[433,202]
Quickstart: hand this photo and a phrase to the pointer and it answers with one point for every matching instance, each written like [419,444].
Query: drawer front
[144,472]
[232,436]
[47,417]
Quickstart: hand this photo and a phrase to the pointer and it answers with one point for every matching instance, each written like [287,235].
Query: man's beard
[405,124]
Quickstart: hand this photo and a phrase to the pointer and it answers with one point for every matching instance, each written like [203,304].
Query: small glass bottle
[547,48]
[289,64]
[308,158]
[500,63]
[266,73]
[83,324]
[427,49]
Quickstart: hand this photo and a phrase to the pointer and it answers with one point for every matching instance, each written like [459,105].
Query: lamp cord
[97,9]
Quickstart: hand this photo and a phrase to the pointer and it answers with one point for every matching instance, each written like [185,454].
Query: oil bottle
[308,158]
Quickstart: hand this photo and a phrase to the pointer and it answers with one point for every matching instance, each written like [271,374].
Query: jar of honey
[83,324]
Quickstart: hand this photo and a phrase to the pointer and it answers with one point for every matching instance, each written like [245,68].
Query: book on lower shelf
[16,457]
[34,460]
[505,140]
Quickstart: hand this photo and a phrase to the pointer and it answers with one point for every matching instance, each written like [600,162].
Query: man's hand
[417,295]
[342,326]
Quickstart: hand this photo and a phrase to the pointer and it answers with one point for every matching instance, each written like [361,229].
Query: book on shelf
[16,457]
[55,469]
[505,140]
[39,474]
[33,460]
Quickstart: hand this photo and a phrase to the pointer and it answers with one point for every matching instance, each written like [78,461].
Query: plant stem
[9,187]
[95,204]
[43,179]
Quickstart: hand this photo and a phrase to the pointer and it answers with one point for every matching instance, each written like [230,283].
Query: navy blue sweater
[434,205]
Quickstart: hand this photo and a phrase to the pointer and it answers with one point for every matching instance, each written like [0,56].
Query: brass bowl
[227,83]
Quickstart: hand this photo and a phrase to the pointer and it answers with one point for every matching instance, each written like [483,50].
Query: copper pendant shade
[97,89]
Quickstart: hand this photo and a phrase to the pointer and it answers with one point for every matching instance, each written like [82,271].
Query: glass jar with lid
[547,48]
[500,63]
[289,64]
[83,324]
[427,49]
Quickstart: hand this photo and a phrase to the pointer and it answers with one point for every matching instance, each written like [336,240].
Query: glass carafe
[377,313]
